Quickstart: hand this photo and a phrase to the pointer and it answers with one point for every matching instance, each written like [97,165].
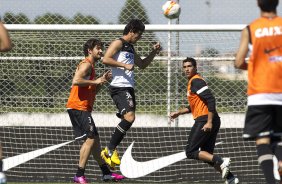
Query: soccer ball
[171,10]
[3,179]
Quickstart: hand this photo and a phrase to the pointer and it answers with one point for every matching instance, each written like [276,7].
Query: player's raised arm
[240,61]
[143,63]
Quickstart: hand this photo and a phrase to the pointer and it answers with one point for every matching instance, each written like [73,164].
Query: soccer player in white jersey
[121,57]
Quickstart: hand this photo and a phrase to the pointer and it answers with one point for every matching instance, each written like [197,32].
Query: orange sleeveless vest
[198,107]
[265,64]
[82,98]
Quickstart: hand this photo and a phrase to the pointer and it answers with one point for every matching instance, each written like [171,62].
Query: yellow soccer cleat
[115,158]
[112,159]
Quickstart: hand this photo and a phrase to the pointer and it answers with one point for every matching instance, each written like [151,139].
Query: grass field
[103,182]
[123,182]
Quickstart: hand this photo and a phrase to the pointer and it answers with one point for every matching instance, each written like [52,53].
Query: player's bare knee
[263,140]
[129,117]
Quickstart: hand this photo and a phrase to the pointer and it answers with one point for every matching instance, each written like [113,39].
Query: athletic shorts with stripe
[263,121]
[83,124]
[199,139]
[124,98]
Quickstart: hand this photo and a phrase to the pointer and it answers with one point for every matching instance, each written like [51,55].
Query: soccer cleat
[112,159]
[225,167]
[80,179]
[232,180]
[105,156]
[115,158]
[112,177]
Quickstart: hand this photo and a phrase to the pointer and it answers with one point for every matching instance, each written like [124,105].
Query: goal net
[36,132]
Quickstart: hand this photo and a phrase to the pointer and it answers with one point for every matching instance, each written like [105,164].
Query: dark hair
[90,44]
[268,5]
[135,25]
[192,60]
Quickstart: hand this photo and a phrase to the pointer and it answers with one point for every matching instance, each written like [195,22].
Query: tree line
[131,9]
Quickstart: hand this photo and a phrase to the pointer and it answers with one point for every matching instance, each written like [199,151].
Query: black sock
[265,158]
[217,160]
[278,151]
[229,175]
[118,134]
[1,166]
[105,170]
[80,171]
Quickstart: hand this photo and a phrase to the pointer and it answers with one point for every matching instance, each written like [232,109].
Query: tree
[10,18]
[209,52]
[49,18]
[133,9]
[82,19]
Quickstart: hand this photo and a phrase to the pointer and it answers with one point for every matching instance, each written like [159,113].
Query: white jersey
[122,77]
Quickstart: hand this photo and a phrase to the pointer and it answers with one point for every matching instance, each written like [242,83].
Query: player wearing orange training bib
[262,39]
[201,141]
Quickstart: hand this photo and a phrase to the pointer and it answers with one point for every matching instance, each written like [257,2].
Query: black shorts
[263,121]
[83,124]
[198,139]
[124,98]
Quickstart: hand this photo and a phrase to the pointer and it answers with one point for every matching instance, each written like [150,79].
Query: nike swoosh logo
[133,169]
[267,51]
[130,168]
[14,161]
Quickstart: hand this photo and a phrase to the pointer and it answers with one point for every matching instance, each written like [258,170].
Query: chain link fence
[35,81]
[36,75]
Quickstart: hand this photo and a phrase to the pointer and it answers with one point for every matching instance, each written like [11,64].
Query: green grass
[123,182]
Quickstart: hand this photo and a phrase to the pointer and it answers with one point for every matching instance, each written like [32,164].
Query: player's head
[189,67]
[93,47]
[134,29]
[134,25]
[268,5]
